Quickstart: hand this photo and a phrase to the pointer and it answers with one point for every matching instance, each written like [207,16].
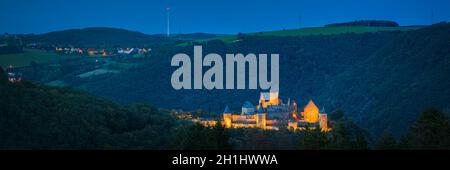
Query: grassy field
[313,31]
[24,59]
[97,72]
[57,83]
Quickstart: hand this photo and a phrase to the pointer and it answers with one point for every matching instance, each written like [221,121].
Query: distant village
[121,57]
[117,54]
[102,51]
[13,44]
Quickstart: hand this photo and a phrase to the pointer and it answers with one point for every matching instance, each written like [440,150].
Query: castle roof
[227,110]
[268,95]
[311,106]
[261,109]
[322,110]
[248,104]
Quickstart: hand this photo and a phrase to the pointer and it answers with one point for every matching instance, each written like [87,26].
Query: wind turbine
[168,21]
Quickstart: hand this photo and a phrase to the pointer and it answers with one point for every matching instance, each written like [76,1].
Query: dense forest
[39,117]
[104,37]
[369,23]
[96,37]
[381,80]
[10,44]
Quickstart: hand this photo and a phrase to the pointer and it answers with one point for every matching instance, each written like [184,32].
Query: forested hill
[369,23]
[382,80]
[39,117]
[98,37]
[391,86]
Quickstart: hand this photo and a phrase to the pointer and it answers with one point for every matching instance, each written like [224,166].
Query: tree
[360,142]
[194,137]
[347,135]
[336,115]
[314,139]
[431,131]
[340,137]
[239,35]
[221,137]
[3,76]
[386,142]
[199,137]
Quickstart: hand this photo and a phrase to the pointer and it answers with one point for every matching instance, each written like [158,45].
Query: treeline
[98,37]
[10,44]
[367,23]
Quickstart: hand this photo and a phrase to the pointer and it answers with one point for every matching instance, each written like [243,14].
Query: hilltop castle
[272,114]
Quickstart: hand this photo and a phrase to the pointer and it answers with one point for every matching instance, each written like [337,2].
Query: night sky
[210,16]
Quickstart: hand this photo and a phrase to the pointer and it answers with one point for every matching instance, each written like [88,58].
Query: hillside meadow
[28,56]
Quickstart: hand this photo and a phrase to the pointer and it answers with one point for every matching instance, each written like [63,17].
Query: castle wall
[323,121]
[261,120]
[227,119]
[279,115]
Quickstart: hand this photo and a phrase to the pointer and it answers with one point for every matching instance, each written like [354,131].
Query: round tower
[261,118]
[227,117]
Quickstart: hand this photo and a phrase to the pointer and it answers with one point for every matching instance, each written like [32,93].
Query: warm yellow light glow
[294,115]
[311,112]
[227,120]
[323,122]
[292,125]
[262,119]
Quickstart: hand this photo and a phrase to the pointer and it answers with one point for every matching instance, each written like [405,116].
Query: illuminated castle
[272,114]
[311,116]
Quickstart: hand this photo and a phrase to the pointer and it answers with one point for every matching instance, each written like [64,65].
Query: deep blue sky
[212,16]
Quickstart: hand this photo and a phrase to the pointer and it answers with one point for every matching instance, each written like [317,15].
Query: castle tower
[293,109]
[227,117]
[323,122]
[261,117]
[269,98]
[247,108]
[311,112]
